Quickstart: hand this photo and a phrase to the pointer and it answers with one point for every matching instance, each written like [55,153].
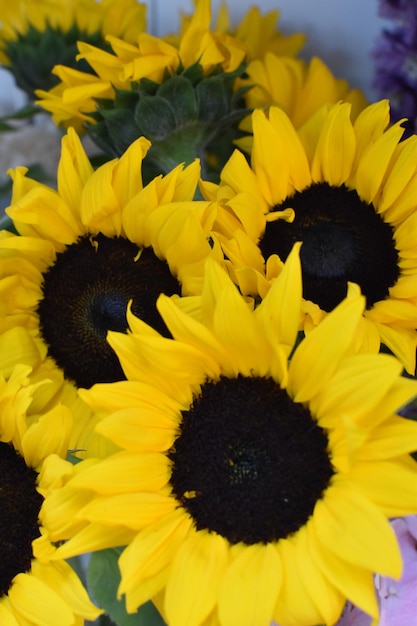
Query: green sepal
[187,115]
[179,92]
[103,578]
[212,99]
[33,55]
[154,117]
[194,73]
[116,132]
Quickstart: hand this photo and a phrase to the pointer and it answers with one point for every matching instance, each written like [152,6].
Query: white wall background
[341,32]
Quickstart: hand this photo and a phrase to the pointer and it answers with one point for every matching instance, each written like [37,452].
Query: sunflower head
[34,37]
[220,427]
[31,586]
[346,189]
[100,242]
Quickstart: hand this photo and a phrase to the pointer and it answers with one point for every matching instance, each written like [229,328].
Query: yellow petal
[62,578]
[329,164]
[374,163]
[394,438]
[358,386]
[328,600]
[51,434]
[196,572]
[316,358]
[391,485]
[38,603]
[352,527]
[250,587]
[125,472]
[294,605]
[355,583]
[74,169]
[134,510]
[94,537]
[127,177]
[6,614]
[280,310]
[153,549]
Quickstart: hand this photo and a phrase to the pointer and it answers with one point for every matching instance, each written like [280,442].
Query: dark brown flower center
[344,240]
[86,293]
[249,463]
[20,504]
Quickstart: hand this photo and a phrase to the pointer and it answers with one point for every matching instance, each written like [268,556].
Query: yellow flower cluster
[191,367]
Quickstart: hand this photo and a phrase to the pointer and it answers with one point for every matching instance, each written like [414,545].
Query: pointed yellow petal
[317,358]
[134,510]
[392,486]
[94,537]
[280,310]
[38,603]
[358,386]
[153,549]
[329,165]
[62,578]
[374,163]
[196,572]
[355,583]
[250,587]
[294,605]
[125,472]
[370,542]
[6,615]
[74,169]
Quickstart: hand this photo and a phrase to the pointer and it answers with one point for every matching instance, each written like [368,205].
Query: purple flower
[395,58]
[396,9]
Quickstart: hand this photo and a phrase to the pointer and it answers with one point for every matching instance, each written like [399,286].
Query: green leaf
[103,578]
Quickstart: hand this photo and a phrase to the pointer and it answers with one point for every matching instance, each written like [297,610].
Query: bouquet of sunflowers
[208,331]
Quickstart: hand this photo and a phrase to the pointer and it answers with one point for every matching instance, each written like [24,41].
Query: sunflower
[34,590]
[258,32]
[148,58]
[84,251]
[218,433]
[348,191]
[300,88]
[35,36]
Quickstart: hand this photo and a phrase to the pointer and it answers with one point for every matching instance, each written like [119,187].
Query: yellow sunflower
[84,251]
[298,87]
[148,57]
[255,488]
[36,35]
[258,32]
[348,191]
[35,591]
